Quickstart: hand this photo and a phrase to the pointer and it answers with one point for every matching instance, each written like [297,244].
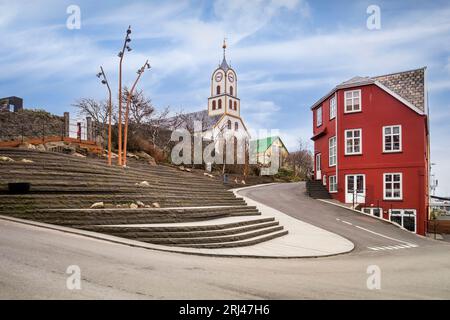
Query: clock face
[219,76]
[231,77]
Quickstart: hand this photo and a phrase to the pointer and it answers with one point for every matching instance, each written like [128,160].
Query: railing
[14,136]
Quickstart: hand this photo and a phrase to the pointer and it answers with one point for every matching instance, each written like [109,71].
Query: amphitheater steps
[196,211]
[220,235]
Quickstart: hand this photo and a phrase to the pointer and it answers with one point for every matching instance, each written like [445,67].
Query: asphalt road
[364,231]
[33,263]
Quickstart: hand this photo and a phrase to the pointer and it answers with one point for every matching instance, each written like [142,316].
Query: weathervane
[224,46]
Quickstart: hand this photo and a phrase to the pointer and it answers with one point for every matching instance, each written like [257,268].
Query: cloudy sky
[287,53]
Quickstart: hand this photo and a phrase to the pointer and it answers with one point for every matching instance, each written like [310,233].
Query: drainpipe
[337,144]
[428,208]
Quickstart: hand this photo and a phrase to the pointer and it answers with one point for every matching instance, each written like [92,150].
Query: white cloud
[260,114]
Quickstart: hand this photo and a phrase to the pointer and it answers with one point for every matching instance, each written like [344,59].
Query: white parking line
[392,247]
[404,245]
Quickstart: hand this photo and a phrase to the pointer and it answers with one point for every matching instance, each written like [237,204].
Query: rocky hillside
[30,123]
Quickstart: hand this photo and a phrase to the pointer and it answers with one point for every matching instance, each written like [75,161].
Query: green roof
[263,144]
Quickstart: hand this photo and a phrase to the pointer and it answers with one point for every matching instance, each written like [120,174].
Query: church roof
[188,119]
[224,65]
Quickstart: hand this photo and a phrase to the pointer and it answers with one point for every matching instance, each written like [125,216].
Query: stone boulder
[26,145]
[40,147]
[143,184]
[98,205]
[156,205]
[140,204]
[6,159]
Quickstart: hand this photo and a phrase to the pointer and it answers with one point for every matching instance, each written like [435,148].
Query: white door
[355,188]
[318,167]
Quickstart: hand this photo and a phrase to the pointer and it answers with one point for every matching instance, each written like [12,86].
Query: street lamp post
[121,54]
[105,81]
[130,95]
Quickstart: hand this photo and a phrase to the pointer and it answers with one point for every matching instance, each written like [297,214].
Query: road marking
[404,245]
[384,236]
[393,247]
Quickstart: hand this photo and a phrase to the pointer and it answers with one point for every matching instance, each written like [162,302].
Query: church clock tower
[223,98]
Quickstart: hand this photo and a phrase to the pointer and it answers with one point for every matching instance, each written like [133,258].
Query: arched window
[231,90]
[231,105]
[218,90]
[236,126]
[214,105]
[229,124]
[235,105]
[220,104]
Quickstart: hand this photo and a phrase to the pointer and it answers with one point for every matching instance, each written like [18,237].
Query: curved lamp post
[121,54]
[130,95]
[102,74]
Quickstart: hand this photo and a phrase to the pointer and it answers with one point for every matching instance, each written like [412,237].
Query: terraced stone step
[68,187]
[149,232]
[89,198]
[84,170]
[25,174]
[179,228]
[235,244]
[130,216]
[58,161]
[22,206]
[211,239]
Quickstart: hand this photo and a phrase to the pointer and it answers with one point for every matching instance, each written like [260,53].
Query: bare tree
[301,160]
[141,107]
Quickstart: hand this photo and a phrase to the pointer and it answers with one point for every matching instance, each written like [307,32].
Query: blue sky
[287,53]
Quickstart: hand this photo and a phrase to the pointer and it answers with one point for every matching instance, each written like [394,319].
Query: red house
[371,146]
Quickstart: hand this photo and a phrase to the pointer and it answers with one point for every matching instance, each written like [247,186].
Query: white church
[223,114]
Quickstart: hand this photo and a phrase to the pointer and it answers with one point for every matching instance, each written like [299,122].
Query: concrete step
[178,227]
[145,232]
[129,216]
[212,239]
[234,244]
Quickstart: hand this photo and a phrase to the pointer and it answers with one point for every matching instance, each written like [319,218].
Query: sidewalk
[302,241]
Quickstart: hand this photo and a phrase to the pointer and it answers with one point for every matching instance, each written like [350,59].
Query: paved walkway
[303,240]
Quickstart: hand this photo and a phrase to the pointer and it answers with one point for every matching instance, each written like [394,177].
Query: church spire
[224,65]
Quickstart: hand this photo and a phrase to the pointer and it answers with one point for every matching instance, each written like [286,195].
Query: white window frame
[333,107]
[319,120]
[332,152]
[353,139]
[332,184]
[392,182]
[371,211]
[392,138]
[402,215]
[358,91]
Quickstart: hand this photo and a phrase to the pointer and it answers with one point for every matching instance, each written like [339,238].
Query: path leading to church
[34,261]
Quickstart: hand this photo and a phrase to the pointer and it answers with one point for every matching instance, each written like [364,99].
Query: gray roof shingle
[410,85]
